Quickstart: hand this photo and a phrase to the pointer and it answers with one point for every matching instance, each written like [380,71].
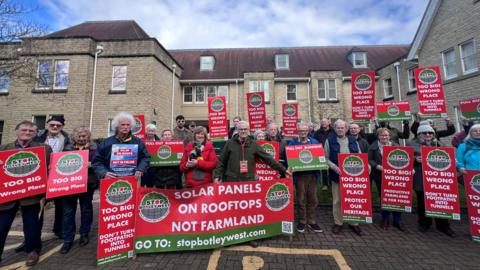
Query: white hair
[151,126]
[123,116]
[243,123]
[302,124]
[338,122]
[471,131]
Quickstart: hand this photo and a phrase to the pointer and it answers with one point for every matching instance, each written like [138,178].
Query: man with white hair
[122,123]
[151,133]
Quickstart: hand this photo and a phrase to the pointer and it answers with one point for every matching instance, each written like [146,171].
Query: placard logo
[398,159]
[69,164]
[278,197]
[217,104]
[305,156]
[428,76]
[363,82]
[164,152]
[269,149]
[154,207]
[476,183]
[393,110]
[255,100]
[119,192]
[138,126]
[353,166]
[439,160]
[21,164]
[290,110]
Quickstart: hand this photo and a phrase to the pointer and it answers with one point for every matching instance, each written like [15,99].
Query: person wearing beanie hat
[424,129]
[450,130]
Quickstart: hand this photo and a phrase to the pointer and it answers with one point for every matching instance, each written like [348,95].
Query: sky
[179,24]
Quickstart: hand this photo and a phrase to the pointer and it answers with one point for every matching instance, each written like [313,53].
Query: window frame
[204,97]
[326,83]
[203,64]
[37,86]
[263,86]
[55,73]
[2,127]
[385,86]
[354,58]
[287,61]
[110,131]
[462,62]
[411,79]
[296,92]
[192,94]
[6,78]
[444,64]
[35,116]
[114,89]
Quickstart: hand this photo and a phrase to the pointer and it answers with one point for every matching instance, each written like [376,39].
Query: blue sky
[179,24]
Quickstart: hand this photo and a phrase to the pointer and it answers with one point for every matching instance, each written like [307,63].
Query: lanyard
[243,150]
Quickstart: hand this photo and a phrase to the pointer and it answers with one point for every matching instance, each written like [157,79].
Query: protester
[321,136]
[306,187]
[58,140]
[273,134]
[151,133]
[192,126]
[237,160]
[167,177]
[81,140]
[233,130]
[339,143]
[122,123]
[355,132]
[375,159]
[395,134]
[311,130]
[425,137]
[260,135]
[31,207]
[148,176]
[199,159]
[180,132]
[468,153]
[438,133]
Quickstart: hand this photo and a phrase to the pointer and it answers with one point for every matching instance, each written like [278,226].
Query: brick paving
[376,249]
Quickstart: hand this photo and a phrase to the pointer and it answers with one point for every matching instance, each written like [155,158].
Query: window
[4,82]
[199,94]
[207,62]
[387,88]
[211,91]
[53,73]
[40,121]
[1,131]
[119,78]
[223,91]
[327,89]
[412,85]
[359,59]
[110,130]
[291,92]
[260,86]
[467,56]
[281,61]
[449,65]
[187,94]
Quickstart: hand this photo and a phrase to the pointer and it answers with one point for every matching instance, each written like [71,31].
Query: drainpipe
[173,93]
[397,68]
[236,103]
[98,51]
[309,105]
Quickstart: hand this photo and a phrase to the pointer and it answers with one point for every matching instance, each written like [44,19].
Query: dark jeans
[324,177]
[397,216]
[31,226]
[69,211]
[57,223]
[149,176]
[442,224]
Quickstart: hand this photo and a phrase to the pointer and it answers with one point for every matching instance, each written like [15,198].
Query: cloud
[179,24]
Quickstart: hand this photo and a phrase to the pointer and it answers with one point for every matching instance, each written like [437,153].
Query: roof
[103,30]
[423,28]
[232,63]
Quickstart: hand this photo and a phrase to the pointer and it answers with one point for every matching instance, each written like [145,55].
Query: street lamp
[98,51]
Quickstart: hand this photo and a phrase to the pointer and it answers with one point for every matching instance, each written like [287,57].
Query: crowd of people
[200,165]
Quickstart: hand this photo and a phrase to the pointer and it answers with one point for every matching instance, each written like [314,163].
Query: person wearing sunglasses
[180,132]
[425,137]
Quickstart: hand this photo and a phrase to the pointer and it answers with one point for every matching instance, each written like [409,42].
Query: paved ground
[376,249]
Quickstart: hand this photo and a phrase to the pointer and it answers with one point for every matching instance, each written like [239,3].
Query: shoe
[32,258]
[385,224]
[84,240]
[301,227]
[448,232]
[325,188]
[356,230]
[400,227]
[315,228]
[66,248]
[337,229]
[423,228]
[20,248]
[253,244]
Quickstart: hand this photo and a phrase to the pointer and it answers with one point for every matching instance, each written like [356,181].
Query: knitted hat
[425,128]
[424,122]
[58,118]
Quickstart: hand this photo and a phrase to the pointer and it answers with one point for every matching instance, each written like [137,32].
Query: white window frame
[110,131]
[354,56]
[444,64]
[193,95]
[209,87]
[260,86]
[53,75]
[55,72]
[460,47]
[37,116]
[6,78]
[277,61]
[205,64]
[204,94]
[286,93]
[126,76]
[38,74]
[386,86]
[326,83]
[411,79]
[218,92]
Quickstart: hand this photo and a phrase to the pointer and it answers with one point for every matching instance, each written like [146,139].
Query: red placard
[431,98]
[217,116]
[397,178]
[262,170]
[306,157]
[363,95]
[472,189]
[165,153]
[116,224]
[290,119]
[393,111]
[470,108]
[440,183]
[68,173]
[23,173]
[256,111]
[139,130]
[355,188]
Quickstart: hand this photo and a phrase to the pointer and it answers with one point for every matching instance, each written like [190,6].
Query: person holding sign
[31,207]
[80,141]
[199,159]
[122,123]
[306,186]
[336,144]
[375,159]
[425,137]
[468,153]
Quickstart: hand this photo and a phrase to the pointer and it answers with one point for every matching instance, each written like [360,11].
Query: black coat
[375,158]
